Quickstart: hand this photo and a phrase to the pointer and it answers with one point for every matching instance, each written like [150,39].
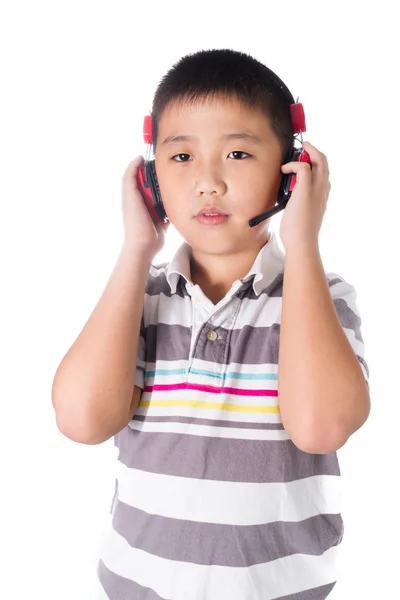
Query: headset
[150,189]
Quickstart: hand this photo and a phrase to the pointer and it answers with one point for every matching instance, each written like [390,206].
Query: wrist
[303,248]
[135,254]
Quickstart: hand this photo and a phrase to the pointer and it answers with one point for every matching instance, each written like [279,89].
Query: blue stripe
[233,375]
[165,372]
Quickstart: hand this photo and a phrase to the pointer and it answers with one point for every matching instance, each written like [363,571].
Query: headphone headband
[296,111]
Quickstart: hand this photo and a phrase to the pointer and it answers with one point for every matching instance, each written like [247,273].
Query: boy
[225,487]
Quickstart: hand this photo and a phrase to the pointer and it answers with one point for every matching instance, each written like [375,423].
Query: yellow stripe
[216,405]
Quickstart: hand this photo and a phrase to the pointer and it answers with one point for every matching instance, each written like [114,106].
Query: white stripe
[208,413]
[141,351]
[364,371]
[205,500]
[209,431]
[139,378]
[175,310]
[177,580]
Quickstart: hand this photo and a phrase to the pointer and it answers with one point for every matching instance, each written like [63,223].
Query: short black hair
[228,73]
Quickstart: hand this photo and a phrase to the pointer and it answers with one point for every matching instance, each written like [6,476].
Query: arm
[323,395]
[93,388]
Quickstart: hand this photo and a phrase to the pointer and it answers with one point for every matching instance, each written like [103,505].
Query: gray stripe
[348,318]
[120,588]
[334,281]
[273,290]
[225,545]
[318,593]
[142,327]
[159,285]
[212,422]
[249,345]
[362,361]
[167,342]
[253,461]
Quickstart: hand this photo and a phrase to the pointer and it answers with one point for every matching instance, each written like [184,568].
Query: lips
[216,219]
[211,211]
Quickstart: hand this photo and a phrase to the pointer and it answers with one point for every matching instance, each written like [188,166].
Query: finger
[133,166]
[296,167]
[302,171]
[319,161]
[319,158]
[129,177]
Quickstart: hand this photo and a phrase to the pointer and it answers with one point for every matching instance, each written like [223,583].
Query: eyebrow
[248,137]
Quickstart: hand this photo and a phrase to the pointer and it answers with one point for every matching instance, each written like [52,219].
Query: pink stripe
[209,388]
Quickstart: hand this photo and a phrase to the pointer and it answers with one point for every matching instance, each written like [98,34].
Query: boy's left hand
[303,215]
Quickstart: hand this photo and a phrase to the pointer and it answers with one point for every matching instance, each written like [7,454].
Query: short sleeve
[141,358]
[344,298]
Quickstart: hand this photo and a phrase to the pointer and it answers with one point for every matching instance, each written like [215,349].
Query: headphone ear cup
[155,189]
[284,194]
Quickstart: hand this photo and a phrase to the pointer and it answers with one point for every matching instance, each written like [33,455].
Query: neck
[215,274]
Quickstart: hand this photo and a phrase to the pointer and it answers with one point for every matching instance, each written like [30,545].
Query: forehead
[218,113]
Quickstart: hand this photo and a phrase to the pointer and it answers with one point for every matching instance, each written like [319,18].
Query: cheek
[176,193]
[269,187]
[260,193]
[176,205]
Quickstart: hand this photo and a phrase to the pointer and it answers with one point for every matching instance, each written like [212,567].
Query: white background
[76,81]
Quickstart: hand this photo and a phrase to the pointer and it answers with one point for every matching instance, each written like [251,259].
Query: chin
[218,243]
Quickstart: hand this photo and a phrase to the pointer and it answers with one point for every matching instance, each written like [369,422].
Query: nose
[208,181]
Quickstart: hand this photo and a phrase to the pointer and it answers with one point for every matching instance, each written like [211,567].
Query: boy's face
[238,176]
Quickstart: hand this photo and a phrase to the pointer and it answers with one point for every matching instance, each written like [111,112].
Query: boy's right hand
[140,231]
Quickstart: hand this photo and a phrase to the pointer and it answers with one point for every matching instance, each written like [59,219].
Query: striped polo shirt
[213,500]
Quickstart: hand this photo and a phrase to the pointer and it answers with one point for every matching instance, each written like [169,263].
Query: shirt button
[211,335]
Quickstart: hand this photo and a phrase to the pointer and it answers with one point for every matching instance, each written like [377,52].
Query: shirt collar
[268,264]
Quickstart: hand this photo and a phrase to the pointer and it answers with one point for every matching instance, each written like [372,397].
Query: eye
[184,157]
[239,152]
[182,154]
